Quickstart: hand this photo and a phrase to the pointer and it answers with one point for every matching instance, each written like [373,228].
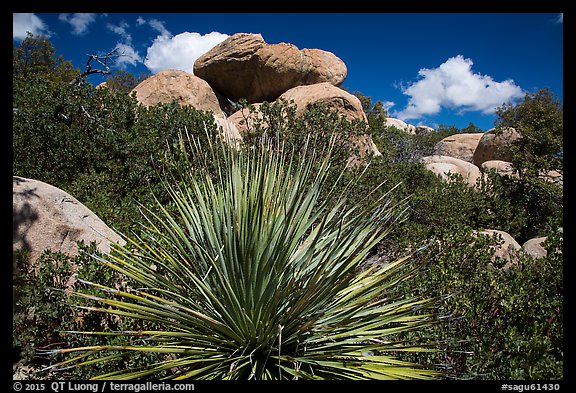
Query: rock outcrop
[505,168]
[244,119]
[510,251]
[460,146]
[230,133]
[45,217]
[245,66]
[305,97]
[495,145]
[554,176]
[409,128]
[442,165]
[180,86]
[423,130]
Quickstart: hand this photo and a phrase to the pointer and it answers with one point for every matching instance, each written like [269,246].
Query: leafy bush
[319,127]
[505,324]
[44,318]
[35,56]
[539,118]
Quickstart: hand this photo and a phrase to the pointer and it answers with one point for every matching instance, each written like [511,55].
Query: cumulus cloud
[176,51]
[454,85]
[179,51]
[79,22]
[22,23]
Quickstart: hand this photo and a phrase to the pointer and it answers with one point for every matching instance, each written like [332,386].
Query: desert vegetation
[277,256]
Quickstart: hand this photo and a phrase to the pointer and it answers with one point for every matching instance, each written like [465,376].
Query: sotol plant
[253,276]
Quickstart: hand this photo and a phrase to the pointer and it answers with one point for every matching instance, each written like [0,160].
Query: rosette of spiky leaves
[256,277]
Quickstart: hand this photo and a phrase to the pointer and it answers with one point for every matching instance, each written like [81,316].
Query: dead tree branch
[105,61]
[100,59]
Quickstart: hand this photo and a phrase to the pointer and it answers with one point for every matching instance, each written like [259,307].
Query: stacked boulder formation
[245,67]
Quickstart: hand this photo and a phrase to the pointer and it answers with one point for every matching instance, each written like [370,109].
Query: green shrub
[504,324]
[43,314]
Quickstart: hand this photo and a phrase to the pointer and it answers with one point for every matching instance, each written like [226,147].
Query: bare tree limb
[105,61]
[100,59]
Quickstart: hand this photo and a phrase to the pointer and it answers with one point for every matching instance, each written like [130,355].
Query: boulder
[460,146]
[507,248]
[365,146]
[503,168]
[401,125]
[346,104]
[245,66]
[442,165]
[230,132]
[45,217]
[180,86]
[495,145]
[534,247]
[305,97]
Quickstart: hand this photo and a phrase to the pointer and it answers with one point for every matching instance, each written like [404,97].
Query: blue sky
[428,68]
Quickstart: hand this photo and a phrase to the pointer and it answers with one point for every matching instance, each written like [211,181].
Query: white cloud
[22,23]
[129,56]
[180,51]
[120,30]
[79,22]
[159,26]
[454,85]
